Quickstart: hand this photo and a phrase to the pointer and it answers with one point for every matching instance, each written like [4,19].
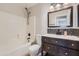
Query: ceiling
[27,5]
[30,4]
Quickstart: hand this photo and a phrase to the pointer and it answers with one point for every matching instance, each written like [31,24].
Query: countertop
[67,37]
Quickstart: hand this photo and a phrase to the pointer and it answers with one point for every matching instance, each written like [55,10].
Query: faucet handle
[28,38]
[29,34]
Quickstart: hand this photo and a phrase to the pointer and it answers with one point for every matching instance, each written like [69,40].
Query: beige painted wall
[12,28]
[40,11]
[36,11]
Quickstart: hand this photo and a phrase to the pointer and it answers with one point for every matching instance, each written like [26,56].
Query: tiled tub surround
[74,32]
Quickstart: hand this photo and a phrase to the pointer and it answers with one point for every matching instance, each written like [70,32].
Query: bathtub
[23,50]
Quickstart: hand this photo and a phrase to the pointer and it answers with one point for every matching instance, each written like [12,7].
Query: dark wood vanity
[59,47]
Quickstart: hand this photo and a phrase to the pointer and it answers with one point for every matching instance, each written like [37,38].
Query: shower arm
[28,14]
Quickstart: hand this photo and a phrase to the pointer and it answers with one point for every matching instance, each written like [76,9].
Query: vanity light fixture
[54,6]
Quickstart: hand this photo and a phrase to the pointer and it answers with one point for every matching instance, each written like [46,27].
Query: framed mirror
[61,18]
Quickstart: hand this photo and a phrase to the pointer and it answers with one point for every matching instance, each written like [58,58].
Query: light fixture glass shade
[58,6]
[51,8]
[65,4]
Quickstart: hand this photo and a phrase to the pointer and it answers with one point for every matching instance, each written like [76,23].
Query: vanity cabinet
[59,47]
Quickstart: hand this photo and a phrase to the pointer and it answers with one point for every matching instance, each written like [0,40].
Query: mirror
[61,18]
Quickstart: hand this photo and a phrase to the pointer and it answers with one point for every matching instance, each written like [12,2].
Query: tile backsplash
[74,32]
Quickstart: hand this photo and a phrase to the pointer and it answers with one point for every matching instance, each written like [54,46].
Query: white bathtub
[20,51]
[24,50]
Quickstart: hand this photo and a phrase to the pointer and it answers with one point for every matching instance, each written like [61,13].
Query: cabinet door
[73,44]
[50,49]
[60,42]
[63,51]
[44,49]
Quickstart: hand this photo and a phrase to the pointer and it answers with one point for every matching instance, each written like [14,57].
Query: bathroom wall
[12,28]
[36,11]
[41,10]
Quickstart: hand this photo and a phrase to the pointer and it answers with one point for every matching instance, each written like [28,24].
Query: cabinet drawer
[56,41]
[68,43]
[49,40]
[60,42]
[73,44]
[67,52]
[73,53]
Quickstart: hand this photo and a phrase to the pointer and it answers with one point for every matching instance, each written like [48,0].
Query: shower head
[28,14]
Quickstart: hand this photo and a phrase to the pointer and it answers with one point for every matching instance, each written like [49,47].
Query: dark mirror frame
[78,14]
[71,16]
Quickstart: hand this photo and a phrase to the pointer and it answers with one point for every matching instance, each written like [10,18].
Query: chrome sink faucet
[59,32]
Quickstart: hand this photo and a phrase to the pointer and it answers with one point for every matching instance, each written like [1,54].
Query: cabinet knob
[48,47]
[56,41]
[66,53]
[44,52]
[45,39]
[72,44]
